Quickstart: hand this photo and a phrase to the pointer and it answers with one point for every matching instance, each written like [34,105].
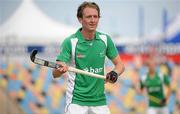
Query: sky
[129,18]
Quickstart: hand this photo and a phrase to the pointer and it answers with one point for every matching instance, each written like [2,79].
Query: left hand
[111,77]
[163,101]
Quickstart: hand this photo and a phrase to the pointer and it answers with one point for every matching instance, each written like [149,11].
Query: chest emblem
[80,55]
[102,54]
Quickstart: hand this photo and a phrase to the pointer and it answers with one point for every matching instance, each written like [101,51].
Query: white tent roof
[29,25]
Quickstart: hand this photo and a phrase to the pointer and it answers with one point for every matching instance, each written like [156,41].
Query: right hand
[163,102]
[61,70]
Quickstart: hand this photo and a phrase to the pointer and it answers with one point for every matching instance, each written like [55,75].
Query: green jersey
[89,56]
[154,87]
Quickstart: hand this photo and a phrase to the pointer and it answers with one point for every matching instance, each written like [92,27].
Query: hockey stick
[50,64]
[154,99]
[150,97]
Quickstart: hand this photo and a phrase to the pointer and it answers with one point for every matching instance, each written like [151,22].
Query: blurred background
[136,26]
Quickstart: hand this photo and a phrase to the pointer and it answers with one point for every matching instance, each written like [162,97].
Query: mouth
[92,25]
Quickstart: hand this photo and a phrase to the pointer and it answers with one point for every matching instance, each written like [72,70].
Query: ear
[80,20]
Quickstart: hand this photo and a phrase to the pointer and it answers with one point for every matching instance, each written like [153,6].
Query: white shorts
[77,109]
[156,110]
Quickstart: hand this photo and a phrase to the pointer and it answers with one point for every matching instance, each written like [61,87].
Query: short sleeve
[142,81]
[65,51]
[112,51]
[166,80]
[141,84]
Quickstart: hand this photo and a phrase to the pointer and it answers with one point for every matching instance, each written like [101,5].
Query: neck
[88,35]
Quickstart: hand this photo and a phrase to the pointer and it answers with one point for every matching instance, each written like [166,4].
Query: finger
[64,70]
[61,69]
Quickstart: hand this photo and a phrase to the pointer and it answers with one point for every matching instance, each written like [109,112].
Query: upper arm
[111,51]
[119,67]
[116,60]
[113,55]
[166,80]
[141,85]
[65,51]
[142,81]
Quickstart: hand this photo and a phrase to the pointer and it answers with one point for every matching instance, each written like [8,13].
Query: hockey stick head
[33,54]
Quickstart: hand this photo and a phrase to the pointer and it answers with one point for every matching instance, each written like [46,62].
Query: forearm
[119,68]
[112,76]
[168,92]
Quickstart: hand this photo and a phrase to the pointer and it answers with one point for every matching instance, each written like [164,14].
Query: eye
[89,17]
[95,16]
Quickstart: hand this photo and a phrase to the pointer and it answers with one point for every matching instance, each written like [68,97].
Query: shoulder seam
[103,38]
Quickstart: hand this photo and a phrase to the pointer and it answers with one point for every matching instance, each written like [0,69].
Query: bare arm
[168,93]
[112,76]
[168,87]
[119,67]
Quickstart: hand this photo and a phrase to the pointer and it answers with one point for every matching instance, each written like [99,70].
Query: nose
[92,18]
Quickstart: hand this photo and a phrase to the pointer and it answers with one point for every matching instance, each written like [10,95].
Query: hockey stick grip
[154,99]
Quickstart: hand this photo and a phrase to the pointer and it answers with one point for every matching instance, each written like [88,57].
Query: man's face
[151,64]
[89,19]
